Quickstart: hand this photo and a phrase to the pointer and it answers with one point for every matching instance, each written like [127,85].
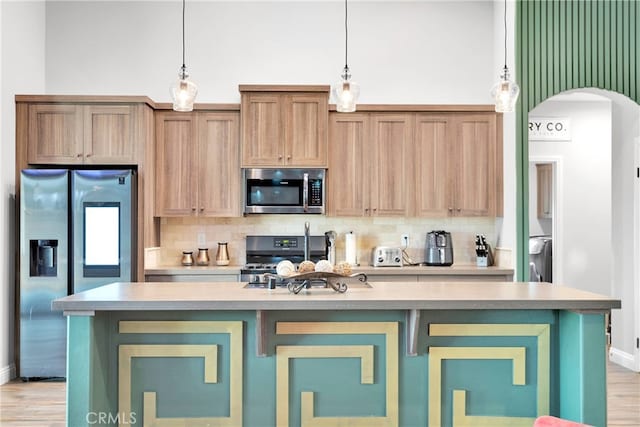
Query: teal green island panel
[329,368]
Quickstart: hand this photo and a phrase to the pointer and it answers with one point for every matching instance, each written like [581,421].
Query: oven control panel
[285,243]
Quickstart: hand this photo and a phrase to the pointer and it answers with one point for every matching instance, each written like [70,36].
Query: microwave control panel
[315,198]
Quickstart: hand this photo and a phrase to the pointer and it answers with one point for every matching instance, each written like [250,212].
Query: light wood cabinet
[458,165]
[544,180]
[197,161]
[348,193]
[424,164]
[369,164]
[434,134]
[81,134]
[390,165]
[284,126]
[472,162]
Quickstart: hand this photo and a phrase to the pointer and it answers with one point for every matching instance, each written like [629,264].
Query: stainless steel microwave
[284,191]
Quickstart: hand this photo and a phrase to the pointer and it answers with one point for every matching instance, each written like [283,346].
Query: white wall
[399,52]
[427,52]
[22,67]
[506,225]
[626,129]
[585,232]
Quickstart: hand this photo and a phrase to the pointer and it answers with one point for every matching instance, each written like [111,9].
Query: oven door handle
[305,192]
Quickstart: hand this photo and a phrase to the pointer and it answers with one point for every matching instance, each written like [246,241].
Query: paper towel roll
[350,248]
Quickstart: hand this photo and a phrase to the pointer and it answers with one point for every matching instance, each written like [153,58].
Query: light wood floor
[42,404]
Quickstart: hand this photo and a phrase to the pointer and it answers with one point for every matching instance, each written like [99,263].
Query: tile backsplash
[182,234]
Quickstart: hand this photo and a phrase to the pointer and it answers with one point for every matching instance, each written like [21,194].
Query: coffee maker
[439,248]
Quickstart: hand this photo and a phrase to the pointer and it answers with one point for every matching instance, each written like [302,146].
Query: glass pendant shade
[346,95]
[505,93]
[346,92]
[183,92]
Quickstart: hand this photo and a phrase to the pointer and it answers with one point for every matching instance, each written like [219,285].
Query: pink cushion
[549,421]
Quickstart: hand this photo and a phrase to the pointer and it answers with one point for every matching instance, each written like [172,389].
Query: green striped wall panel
[563,45]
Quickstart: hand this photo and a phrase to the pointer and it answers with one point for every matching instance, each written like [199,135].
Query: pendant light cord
[346,37]
[505,34]
[183,7]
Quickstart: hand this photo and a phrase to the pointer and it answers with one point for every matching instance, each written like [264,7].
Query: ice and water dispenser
[43,258]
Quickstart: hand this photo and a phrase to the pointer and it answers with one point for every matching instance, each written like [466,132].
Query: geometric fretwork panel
[364,353]
[207,352]
[516,356]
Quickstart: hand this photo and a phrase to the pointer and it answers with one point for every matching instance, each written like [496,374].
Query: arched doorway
[591,219]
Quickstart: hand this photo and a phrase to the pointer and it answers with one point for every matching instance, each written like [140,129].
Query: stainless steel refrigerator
[77,232]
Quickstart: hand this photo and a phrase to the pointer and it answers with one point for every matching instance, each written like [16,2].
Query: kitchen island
[384,354]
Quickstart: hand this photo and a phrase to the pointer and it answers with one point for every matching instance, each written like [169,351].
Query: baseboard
[7,373]
[623,359]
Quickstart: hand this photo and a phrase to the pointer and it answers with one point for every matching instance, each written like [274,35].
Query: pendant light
[345,91]
[183,91]
[505,92]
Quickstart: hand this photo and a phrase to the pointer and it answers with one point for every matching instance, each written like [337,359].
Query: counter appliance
[76,233]
[387,256]
[263,253]
[439,248]
[330,237]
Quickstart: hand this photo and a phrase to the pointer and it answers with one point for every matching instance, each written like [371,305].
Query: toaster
[387,256]
[439,248]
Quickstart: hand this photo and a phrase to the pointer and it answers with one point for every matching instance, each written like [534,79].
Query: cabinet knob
[78,155]
[288,157]
[201,208]
[279,157]
[193,208]
[88,155]
[450,209]
[366,209]
[459,209]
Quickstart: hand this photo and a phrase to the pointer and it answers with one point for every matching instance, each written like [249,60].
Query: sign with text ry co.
[549,129]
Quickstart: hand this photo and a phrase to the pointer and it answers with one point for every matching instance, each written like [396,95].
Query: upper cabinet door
[55,134]
[284,126]
[81,134]
[391,165]
[474,165]
[262,130]
[175,176]
[432,139]
[218,164]
[347,176]
[306,117]
[108,134]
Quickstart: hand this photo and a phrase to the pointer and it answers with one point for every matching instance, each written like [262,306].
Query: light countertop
[461,269]
[379,296]
[193,270]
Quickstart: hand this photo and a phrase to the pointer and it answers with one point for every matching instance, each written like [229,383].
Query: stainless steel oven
[284,191]
[265,252]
